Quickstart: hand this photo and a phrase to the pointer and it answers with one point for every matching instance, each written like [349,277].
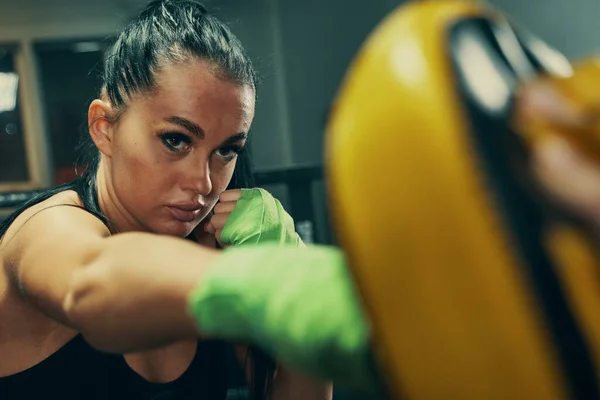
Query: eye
[229,152]
[176,142]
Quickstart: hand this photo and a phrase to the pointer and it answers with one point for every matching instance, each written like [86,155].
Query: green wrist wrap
[297,304]
[258,217]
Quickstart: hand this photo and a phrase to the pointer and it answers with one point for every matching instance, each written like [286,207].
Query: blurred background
[51,50]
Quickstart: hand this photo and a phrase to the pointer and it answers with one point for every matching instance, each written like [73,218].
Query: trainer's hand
[571,179]
[561,158]
[251,216]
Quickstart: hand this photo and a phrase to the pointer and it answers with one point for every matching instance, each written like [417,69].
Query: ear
[100,126]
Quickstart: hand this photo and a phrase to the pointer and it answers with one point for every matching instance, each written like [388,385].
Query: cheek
[221,176]
[138,167]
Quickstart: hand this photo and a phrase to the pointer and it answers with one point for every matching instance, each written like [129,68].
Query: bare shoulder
[40,244]
[61,214]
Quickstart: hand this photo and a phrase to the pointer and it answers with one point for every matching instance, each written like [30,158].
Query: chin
[176,228]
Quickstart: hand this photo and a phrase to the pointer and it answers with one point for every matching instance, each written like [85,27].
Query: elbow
[85,306]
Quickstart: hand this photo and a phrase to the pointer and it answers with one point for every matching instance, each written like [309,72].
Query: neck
[119,218]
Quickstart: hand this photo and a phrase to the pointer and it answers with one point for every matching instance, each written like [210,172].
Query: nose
[199,179]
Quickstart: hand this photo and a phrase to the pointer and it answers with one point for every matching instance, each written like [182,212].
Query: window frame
[34,132]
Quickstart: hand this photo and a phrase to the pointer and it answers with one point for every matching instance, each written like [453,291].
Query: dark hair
[171,31]
[166,32]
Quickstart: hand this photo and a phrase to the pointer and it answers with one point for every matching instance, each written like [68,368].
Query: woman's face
[175,149]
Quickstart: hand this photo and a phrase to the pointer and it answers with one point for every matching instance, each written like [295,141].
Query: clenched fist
[251,216]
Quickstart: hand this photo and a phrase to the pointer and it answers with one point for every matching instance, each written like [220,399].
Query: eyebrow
[188,125]
[235,138]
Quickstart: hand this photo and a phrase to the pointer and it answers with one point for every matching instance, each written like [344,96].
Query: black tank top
[78,371]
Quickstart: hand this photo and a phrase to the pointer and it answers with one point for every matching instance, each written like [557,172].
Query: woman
[171,122]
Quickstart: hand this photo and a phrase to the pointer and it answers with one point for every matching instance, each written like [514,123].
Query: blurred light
[483,76]
[11,129]
[305,231]
[9,84]
[409,62]
[514,52]
[557,63]
[87,47]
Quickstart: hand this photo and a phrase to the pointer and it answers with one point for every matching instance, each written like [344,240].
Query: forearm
[133,294]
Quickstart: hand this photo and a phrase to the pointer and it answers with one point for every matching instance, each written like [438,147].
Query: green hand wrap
[258,217]
[297,304]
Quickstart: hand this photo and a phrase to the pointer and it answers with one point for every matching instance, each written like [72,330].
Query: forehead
[193,91]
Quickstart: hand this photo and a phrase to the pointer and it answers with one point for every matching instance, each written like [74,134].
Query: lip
[185,212]
[188,206]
